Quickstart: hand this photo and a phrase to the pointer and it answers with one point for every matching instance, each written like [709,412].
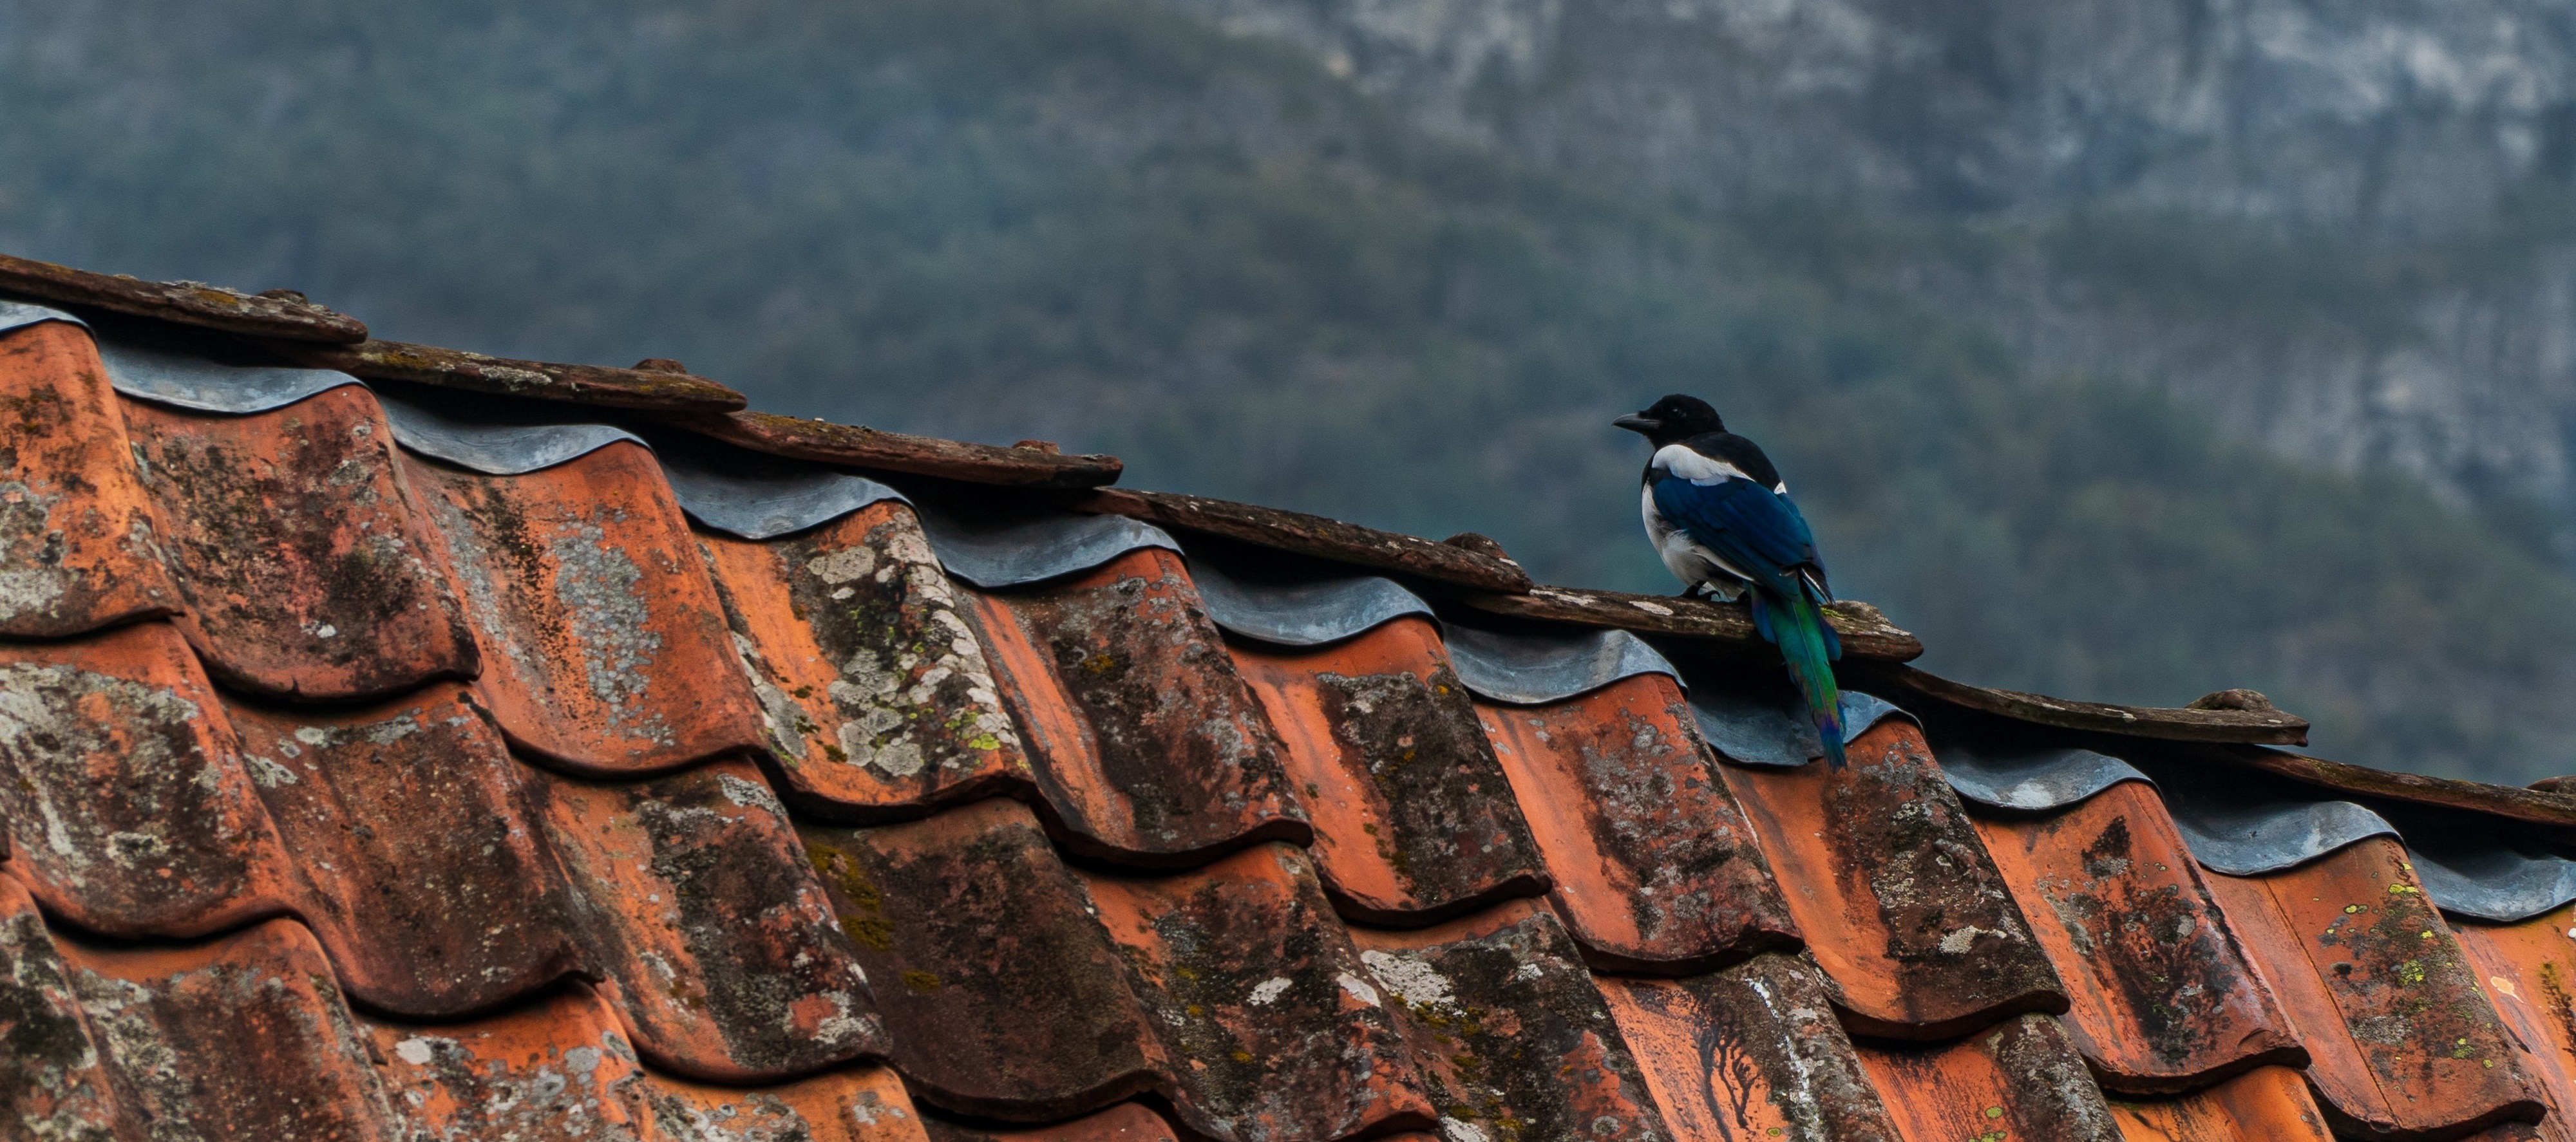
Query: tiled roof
[441,747]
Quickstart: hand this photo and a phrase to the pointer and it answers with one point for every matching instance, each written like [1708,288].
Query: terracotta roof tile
[242,1037]
[76,530]
[1126,1122]
[1896,895]
[2528,971]
[2401,1035]
[604,646]
[350,793]
[1750,1052]
[129,809]
[557,1067]
[1142,737]
[2267,1102]
[715,941]
[2014,1080]
[879,697]
[1509,1030]
[1001,992]
[1271,1028]
[1414,817]
[1654,865]
[410,828]
[304,567]
[2116,899]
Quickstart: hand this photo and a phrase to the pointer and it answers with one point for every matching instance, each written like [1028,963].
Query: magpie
[1720,516]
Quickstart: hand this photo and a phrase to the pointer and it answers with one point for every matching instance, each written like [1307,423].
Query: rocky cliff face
[2410,126]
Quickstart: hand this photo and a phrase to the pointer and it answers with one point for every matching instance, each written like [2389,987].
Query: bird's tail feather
[1796,625]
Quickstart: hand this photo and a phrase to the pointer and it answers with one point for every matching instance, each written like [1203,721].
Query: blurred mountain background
[2124,351]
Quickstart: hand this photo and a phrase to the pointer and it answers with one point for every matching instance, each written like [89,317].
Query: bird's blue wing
[1754,529]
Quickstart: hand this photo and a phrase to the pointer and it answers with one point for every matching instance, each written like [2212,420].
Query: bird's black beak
[1638,422]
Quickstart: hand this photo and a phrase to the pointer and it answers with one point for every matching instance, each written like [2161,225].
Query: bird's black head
[1673,418]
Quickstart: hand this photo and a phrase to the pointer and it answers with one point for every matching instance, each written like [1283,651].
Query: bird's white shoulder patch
[1681,461]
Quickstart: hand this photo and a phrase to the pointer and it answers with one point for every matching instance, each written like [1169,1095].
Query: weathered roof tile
[54,1073]
[1002,995]
[717,945]
[2268,1103]
[2015,1080]
[1146,744]
[556,1068]
[239,1038]
[1509,1030]
[604,646]
[129,808]
[2116,898]
[1749,1052]
[879,698]
[297,548]
[1415,819]
[1272,1028]
[411,829]
[1654,866]
[2401,1038]
[1896,896]
[76,531]
[1126,1122]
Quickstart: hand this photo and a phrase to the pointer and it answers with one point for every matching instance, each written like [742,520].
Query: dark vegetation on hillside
[1096,221]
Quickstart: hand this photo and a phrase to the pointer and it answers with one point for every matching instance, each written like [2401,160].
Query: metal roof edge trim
[1777,734]
[1032,548]
[2041,778]
[15,315]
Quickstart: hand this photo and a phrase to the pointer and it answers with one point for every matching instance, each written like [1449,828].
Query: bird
[1721,519]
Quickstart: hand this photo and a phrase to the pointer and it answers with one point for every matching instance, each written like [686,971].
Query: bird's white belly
[1685,557]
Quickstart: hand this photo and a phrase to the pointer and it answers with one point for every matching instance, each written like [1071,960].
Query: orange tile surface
[878,696]
[128,807]
[1896,896]
[1752,1052]
[2114,897]
[2268,1103]
[2401,1034]
[1414,817]
[409,827]
[2017,1081]
[298,549]
[717,945]
[1493,993]
[1272,1026]
[269,1050]
[1653,863]
[604,647]
[1142,737]
[76,530]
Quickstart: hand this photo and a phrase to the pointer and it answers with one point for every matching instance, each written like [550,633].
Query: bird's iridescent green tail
[1796,625]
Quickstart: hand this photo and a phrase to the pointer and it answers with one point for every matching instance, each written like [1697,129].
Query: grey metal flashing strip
[19,315]
[2490,878]
[2263,836]
[994,553]
[188,381]
[1527,669]
[493,435]
[1771,728]
[2037,778]
[1310,613]
[753,494]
